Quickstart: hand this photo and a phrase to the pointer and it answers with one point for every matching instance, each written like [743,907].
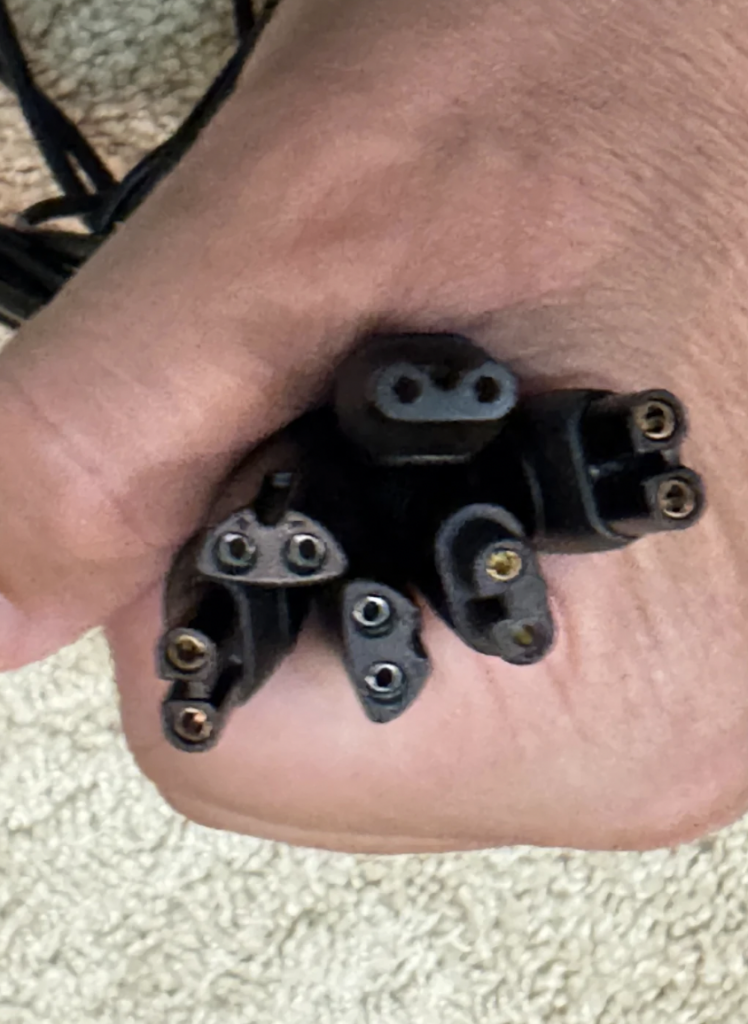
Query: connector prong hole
[487,390]
[657,420]
[407,390]
[677,499]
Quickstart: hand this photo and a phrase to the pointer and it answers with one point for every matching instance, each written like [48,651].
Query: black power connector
[380,632]
[591,471]
[490,587]
[425,478]
[404,402]
[237,598]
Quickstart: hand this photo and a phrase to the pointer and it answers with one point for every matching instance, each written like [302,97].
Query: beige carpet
[113,909]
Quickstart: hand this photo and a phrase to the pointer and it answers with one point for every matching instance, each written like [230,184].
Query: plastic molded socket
[423,398]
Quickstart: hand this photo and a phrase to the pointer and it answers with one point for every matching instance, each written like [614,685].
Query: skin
[563,181]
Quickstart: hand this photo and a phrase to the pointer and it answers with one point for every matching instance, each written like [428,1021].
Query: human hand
[562,182]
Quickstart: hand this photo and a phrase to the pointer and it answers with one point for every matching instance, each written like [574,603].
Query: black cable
[141,180]
[74,246]
[34,262]
[59,208]
[60,142]
[245,19]
[46,275]
[57,252]
[16,304]
[77,146]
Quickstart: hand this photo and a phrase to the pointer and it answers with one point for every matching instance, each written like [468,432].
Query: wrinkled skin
[563,180]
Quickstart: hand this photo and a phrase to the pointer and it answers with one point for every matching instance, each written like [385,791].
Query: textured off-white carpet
[112,909]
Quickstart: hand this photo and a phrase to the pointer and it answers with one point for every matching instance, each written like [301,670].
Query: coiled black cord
[35,262]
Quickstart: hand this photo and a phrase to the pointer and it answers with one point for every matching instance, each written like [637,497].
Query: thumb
[194,333]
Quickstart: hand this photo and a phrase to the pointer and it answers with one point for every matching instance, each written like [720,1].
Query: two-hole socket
[408,390]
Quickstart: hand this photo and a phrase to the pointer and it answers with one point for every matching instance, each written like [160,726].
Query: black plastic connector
[418,398]
[382,648]
[226,647]
[492,591]
[590,471]
[295,551]
[236,600]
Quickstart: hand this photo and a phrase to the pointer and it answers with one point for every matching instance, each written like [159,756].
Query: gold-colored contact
[676,498]
[524,636]
[657,420]
[504,564]
[187,652]
[193,725]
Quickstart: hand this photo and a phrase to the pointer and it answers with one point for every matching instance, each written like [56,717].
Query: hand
[566,184]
